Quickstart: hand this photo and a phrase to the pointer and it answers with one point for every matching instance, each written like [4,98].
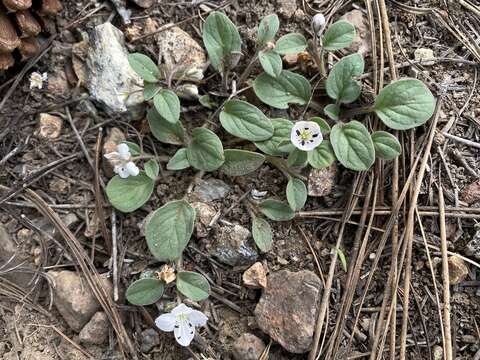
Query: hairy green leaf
[281,132]
[276,210]
[353,145]
[267,29]
[179,160]
[205,151]
[322,156]
[131,193]
[262,234]
[324,127]
[271,62]
[297,158]
[332,111]
[340,83]
[338,36]
[150,90]
[193,285]
[296,193]
[145,291]
[241,162]
[169,229]
[291,44]
[152,168]
[386,145]
[163,130]
[144,67]
[167,105]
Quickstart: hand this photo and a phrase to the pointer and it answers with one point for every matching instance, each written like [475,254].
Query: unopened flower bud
[188,91]
[318,23]
[194,74]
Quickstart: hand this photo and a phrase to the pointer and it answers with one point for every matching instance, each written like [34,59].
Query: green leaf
[150,90]
[205,151]
[353,145]
[206,101]
[332,111]
[343,259]
[287,88]
[296,193]
[281,132]
[262,234]
[386,145]
[322,156]
[340,83]
[245,121]
[167,105]
[144,67]
[179,161]
[338,36]
[133,148]
[145,291]
[276,210]
[221,39]
[241,162]
[297,158]
[404,104]
[169,229]
[291,44]
[131,193]
[324,127]
[267,29]
[163,130]
[271,62]
[152,168]
[193,285]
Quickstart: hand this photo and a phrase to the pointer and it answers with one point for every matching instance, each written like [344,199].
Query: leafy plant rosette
[343,135]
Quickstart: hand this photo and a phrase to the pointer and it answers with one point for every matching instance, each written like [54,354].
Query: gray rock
[287,8]
[109,78]
[473,246]
[361,43]
[149,339]
[95,332]
[425,56]
[73,298]
[321,181]
[205,214]
[211,190]
[287,310]
[231,246]
[248,347]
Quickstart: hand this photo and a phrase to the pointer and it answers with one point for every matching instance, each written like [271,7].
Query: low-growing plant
[288,145]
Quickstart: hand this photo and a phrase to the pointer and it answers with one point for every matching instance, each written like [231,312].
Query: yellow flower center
[305,134]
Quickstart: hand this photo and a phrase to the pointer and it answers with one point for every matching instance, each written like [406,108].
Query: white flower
[318,23]
[306,135]
[121,161]
[37,79]
[182,320]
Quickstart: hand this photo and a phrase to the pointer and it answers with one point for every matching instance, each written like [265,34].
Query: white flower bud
[188,91]
[318,23]
[194,74]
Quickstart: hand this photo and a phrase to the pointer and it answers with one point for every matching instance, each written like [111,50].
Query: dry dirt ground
[31,328]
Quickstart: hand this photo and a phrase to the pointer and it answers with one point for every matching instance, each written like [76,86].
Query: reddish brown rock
[95,332]
[457,269]
[248,347]
[49,126]
[471,193]
[255,277]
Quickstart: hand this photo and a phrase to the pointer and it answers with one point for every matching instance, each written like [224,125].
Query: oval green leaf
[271,62]
[386,145]
[152,169]
[276,210]
[193,285]
[332,111]
[404,104]
[296,194]
[262,234]
[340,84]
[281,132]
[179,161]
[322,156]
[150,90]
[338,35]
[353,145]
[205,151]
[291,44]
[167,105]
[297,158]
[287,88]
[241,162]
[169,229]
[324,127]
[144,67]
[145,291]
[131,193]
[245,121]
[163,130]
[267,29]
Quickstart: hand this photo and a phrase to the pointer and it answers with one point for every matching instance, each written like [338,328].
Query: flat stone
[149,340]
[49,126]
[231,246]
[211,190]
[424,55]
[321,181]
[109,78]
[287,310]
[248,347]
[361,43]
[95,332]
[255,277]
[471,193]
[458,270]
[73,298]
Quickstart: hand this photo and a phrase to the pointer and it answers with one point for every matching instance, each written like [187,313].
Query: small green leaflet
[267,29]
[324,127]
[262,234]
[322,156]
[271,62]
[167,105]
[404,104]
[279,92]
[205,151]
[131,193]
[245,121]
[386,145]
[296,194]
[221,39]
[152,169]
[179,160]
[343,259]
[241,162]
[276,210]
[206,101]
[291,44]
[353,145]
[150,90]
[193,285]
[332,111]
[163,130]
[281,132]
[145,291]
[169,229]
[340,84]
[297,158]
[338,36]
[144,67]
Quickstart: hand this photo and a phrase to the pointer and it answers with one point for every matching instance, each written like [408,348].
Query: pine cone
[21,21]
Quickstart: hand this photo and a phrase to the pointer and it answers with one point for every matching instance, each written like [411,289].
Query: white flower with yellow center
[123,166]
[182,320]
[306,135]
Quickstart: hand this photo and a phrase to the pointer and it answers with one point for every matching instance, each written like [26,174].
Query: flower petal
[132,168]
[184,332]
[123,151]
[166,322]
[112,155]
[313,135]
[121,171]
[197,318]
[181,309]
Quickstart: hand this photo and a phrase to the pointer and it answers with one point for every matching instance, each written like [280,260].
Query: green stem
[347,114]
[247,70]
[281,165]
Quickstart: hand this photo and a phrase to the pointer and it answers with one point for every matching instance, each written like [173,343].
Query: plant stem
[346,114]
[283,167]
[247,70]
